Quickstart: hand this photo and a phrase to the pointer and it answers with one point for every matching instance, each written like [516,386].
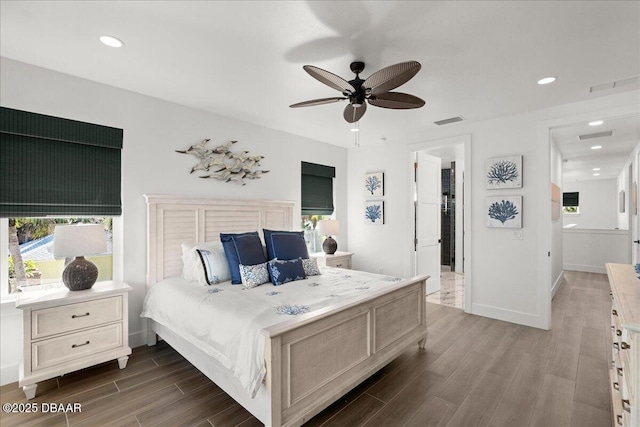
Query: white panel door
[428,196]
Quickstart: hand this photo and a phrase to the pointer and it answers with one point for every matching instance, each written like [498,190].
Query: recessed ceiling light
[354,130]
[111,41]
[596,123]
[596,174]
[596,169]
[546,80]
[596,147]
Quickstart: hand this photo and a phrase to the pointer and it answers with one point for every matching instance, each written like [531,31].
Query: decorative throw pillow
[242,248]
[285,245]
[310,266]
[286,271]
[254,275]
[214,266]
[193,268]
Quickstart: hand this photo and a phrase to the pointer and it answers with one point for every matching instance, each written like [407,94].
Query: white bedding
[225,320]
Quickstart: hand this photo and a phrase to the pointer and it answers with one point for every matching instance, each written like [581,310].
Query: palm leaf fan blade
[320,101]
[353,114]
[396,101]
[391,77]
[330,79]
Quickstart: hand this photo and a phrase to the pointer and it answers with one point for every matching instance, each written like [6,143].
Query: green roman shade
[51,166]
[317,189]
[570,199]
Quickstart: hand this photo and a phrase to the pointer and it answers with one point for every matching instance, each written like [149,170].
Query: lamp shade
[78,240]
[328,227]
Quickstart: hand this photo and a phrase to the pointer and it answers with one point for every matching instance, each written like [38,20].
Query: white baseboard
[136,339]
[585,268]
[557,284]
[512,316]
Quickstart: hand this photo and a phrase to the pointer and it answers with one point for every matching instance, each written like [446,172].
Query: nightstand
[63,331]
[339,259]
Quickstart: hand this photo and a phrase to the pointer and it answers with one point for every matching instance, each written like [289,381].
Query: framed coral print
[374,212]
[503,172]
[504,212]
[374,184]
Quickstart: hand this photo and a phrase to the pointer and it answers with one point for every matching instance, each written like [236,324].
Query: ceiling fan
[374,89]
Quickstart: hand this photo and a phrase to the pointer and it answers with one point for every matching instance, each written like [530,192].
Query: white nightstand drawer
[72,317]
[343,262]
[55,351]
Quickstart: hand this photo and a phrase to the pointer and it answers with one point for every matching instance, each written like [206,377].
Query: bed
[311,359]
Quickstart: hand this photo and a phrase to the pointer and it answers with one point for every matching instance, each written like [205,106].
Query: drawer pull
[338,265]
[624,346]
[619,371]
[614,312]
[619,419]
[86,343]
[626,405]
[616,386]
[619,332]
[75,316]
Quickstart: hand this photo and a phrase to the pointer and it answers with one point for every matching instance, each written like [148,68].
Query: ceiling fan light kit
[375,90]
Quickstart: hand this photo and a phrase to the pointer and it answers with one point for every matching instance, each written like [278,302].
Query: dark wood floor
[474,372]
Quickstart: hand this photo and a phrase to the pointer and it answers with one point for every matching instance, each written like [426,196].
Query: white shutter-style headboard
[172,220]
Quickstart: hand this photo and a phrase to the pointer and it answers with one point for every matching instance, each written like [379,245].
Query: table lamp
[77,241]
[329,227]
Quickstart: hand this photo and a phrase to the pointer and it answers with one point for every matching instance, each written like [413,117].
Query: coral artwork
[374,212]
[504,212]
[223,164]
[374,184]
[504,172]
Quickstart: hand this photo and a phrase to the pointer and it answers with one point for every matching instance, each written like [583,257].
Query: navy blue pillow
[285,245]
[242,248]
[285,271]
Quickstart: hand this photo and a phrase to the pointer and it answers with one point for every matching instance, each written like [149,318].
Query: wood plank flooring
[475,372]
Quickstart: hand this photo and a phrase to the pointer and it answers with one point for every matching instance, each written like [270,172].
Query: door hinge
[415,244]
[548,253]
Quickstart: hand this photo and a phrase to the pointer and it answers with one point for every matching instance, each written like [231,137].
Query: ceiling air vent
[449,120]
[618,83]
[595,135]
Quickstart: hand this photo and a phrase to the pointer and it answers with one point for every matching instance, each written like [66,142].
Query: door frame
[544,208]
[467,251]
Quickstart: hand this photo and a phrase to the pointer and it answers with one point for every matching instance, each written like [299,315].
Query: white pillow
[192,268]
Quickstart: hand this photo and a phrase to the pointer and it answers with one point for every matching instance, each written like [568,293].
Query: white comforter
[225,321]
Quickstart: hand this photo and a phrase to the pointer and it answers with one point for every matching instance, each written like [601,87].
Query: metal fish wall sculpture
[223,164]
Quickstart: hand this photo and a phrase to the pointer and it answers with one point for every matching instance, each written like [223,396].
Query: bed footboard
[313,360]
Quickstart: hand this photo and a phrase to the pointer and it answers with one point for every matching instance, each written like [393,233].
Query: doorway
[438,194]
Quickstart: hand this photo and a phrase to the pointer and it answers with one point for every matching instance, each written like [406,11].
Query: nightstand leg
[422,343]
[30,390]
[122,362]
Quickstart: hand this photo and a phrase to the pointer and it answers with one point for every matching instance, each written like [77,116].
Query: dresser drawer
[339,262]
[72,317]
[55,351]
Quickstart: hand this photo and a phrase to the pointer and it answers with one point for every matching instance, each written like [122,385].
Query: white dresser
[63,331]
[625,331]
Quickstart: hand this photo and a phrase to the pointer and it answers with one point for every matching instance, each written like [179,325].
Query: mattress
[225,320]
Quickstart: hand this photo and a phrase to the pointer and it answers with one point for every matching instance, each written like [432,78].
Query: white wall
[624,218]
[153,129]
[598,204]
[510,278]
[556,226]
[589,249]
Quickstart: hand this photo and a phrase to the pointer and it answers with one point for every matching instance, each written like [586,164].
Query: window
[53,170]
[570,203]
[316,201]
[30,240]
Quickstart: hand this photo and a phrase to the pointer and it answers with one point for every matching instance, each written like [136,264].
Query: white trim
[4,266]
[517,317]
[556,285]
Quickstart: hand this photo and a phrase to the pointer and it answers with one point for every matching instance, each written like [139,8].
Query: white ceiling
[244,59]
[580,159]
